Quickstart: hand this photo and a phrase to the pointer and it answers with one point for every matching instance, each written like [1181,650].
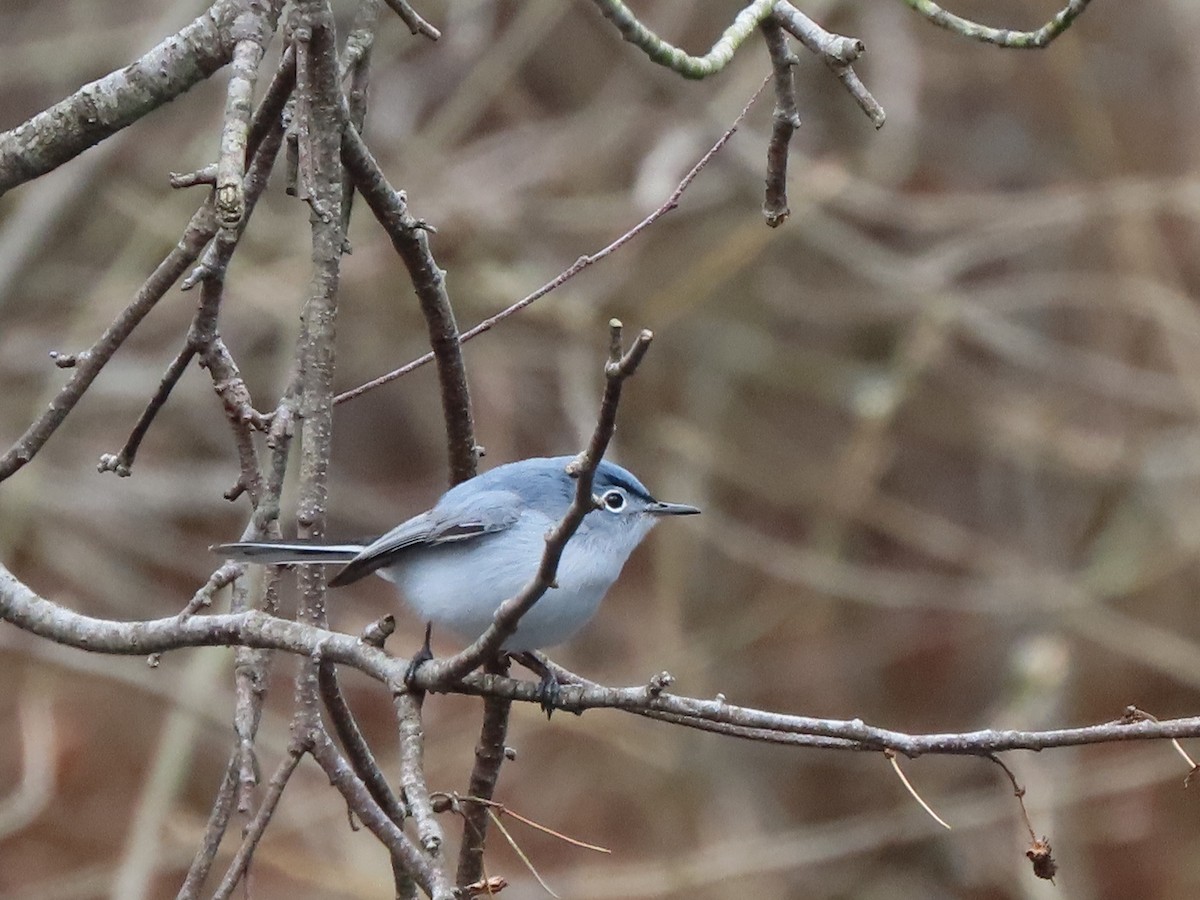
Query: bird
[482,543]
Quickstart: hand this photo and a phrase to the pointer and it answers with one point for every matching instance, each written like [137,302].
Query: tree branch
[100,109]
[1002,37]
[675,59]
[36,615]
[410,239]
[251,30]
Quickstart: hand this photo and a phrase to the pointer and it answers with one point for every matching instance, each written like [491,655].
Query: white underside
[444,585]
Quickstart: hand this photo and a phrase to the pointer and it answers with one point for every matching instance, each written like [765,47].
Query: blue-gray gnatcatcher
[483,541]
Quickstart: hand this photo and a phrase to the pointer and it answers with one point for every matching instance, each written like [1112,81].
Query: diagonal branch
[410,238]
[199,232]
[265,133]
[101,109]
[671,203]
[412,19]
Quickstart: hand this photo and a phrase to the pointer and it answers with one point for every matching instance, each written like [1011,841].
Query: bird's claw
[548,693]
[422,656]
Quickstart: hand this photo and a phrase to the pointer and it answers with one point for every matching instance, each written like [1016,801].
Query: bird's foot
[422,656]
[548,692]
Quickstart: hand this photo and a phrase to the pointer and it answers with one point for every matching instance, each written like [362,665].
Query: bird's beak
[658,508]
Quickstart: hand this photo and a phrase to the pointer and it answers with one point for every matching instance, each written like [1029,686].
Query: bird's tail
[278,553]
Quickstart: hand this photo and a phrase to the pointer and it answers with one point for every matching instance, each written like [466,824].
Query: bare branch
[358,752]
[262,143]
[412,19]
[838,53]
[786,120]
[359,799]
[1002,37]
[251,30]
[254,831]
[214,831]
[318,97]
[489,757]
[121,463]
[89,363]
[410,239]
[36,615]
[412,775]
[673,58]
[100,109]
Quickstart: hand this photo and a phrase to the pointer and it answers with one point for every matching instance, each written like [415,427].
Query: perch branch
[26,610]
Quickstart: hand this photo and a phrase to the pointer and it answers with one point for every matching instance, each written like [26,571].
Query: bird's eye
[614,501]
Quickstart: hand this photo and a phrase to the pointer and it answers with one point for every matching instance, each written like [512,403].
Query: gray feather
[458,517]
[278,553]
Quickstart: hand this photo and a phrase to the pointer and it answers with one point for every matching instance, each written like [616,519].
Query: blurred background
[944,424]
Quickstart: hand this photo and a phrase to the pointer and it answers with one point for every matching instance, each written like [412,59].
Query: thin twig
[578,266]
[837,51]
[785,121]
[444,801]
[214,831]
[258,825]
[1039,852]
[412,19]
[665,54]
[121,463]
[891,757]
[359,800]
[217,581]
[1002,37]
[1133,714]
[358,752]
[520,853]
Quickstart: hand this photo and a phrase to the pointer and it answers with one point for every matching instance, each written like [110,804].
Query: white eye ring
[614,501]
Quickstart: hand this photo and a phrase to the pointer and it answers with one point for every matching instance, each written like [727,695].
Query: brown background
[945,426]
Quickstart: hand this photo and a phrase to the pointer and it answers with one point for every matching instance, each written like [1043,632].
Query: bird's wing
[453,520]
